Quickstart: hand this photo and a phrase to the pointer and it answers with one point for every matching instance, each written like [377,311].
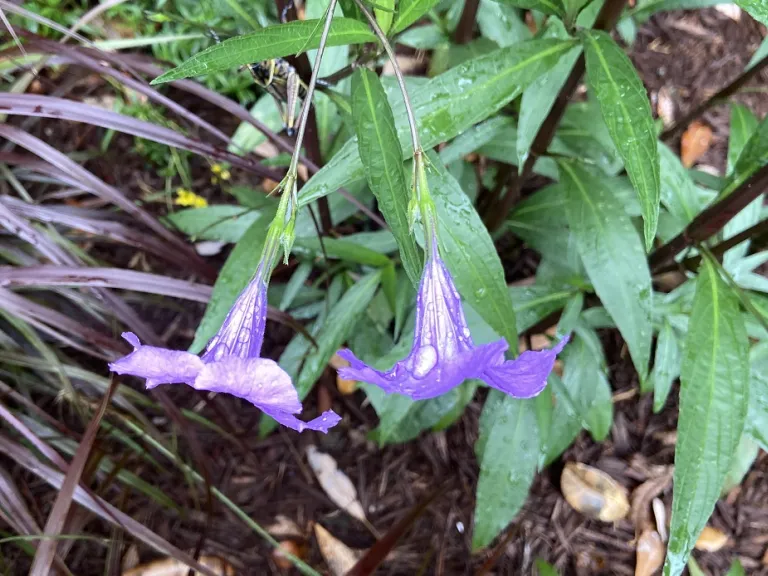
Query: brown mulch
[270,477]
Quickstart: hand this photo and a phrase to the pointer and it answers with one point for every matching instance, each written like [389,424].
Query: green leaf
[552,7]
[736,569]
[384,11]
[666,366]
[409,11]
[743,125]
[539,97]
[468,249]
[613,256]
[508,452]
[744,457]
[501,23]
[233,278]
[270,42]
[757,418]
[540,220]
[758,9]
[247,136]
[714,394]
[544,569]
[753,156]
[536,302]
[627,114]
[382,160]
[474,137]
[220,222]
[486,84]
[342,249]
[646,8]
[678,192]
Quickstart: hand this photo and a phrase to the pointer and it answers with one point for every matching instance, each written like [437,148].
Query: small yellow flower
[186,197]
[220,174]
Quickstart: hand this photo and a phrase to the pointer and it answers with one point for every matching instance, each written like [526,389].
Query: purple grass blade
[63,109]
[14,9]
[98,506]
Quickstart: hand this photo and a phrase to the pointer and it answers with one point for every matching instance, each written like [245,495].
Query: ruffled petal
[242,332]
[526,375]
[260,381]
[157,365]
[322,423]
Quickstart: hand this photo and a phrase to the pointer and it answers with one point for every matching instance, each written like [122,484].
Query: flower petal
[157,365]
[242,332]
[322,423]
[260,381]
[526,375]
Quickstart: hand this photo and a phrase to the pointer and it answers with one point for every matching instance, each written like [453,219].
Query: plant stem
[496,214]
[721,95]
[466,27]
[712,219]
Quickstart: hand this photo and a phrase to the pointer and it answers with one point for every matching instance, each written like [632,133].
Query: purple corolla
[230,364]
[443,353]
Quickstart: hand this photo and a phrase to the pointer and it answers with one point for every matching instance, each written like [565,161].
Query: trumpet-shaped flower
[230,364]
[443,353]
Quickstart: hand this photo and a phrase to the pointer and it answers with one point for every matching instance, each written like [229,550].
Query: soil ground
[268,477]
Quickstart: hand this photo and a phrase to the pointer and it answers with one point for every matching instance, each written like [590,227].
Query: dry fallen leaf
[660,514]
[593,493]
[344,386]
[339,557]
[711,540]
[290,546]
[731,10]
[650,553]
[665,106]
[284,527]
[172,567]
[694,143]
[643,496]
[335,483]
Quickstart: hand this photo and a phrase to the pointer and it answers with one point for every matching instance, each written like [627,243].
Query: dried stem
[496,214]
[727,91]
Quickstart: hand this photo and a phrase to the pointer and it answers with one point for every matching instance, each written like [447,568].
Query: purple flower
[443,354]
[230,364]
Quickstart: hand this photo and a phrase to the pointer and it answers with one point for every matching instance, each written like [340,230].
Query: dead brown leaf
[665,106]
[711,540]
[694,143]
[173,567]
[335,483]
[593,492]
[339,557]
[650,553]
[643,496]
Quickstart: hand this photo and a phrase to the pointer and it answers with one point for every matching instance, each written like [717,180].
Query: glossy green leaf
[409,11]
[222,222]
[270,42]
[645,8]
[234,276]
[540,220]
[552,7]
[384,11]
[758,9]
[679,194]
[539,97]
[714,391]
[474,137]
[501,23]
[666,366]
[565,423]
[753,156]
[745,455]
[468,249]
[627,113]
[743,125]
[613,256]
[584,134]
[447,105]
[247,136]
[508,452]
[536,302]
[382,159]
[342,249]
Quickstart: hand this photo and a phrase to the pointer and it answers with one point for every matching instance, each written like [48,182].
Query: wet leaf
[650,553]
[553,7]
[694,143]
[613,256]
[339,557]
[335,483]
[711,540]
[593,492]
[758,9]
[409,11]
[267,43]
[382,159]
[508,426]
[713,404]
[627,113]
[666,366]
[173,567]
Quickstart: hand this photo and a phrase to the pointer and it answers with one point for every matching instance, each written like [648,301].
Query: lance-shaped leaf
[382,160]
[627,114]
[508,452]
[758,9]
[553,7]
[266,43]
[409,11]
[447,105]
[714,393]
[613,257]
